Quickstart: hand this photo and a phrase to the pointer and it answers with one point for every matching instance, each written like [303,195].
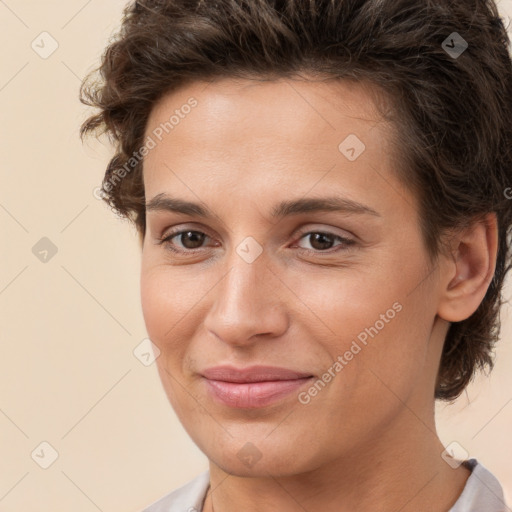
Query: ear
[468,274]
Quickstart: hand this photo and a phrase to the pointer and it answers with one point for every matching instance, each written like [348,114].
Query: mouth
[253,387]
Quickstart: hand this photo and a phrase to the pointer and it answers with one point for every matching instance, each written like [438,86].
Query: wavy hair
[452,113]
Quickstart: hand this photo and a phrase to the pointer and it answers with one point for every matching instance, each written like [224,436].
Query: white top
[482,493]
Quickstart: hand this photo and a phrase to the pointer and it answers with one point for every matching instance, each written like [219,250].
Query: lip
[252,387]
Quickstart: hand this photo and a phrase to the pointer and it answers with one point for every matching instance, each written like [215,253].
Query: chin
[272,467]
[258,459]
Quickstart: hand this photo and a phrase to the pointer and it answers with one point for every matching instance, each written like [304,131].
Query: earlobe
[469,273]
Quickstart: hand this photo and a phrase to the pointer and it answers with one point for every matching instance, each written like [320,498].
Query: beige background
[69,325]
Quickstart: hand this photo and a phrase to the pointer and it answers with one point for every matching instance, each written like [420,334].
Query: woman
[319,189]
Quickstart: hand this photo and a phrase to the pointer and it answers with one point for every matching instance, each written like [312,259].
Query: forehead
[259,121]
[260,139]
[273,105]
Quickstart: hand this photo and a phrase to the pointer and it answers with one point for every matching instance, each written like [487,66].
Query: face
[303,253]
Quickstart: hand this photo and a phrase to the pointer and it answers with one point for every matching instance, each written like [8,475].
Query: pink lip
[256,386]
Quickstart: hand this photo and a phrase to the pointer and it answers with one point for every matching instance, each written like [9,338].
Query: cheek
[154,305]
[390,366]
[346,305]
[162,307]
[375,324]
[163,298]
[172,305]
[161,315]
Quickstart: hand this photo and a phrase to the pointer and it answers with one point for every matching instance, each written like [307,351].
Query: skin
[367,441]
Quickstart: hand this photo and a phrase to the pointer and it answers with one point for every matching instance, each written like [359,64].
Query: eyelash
[345,242]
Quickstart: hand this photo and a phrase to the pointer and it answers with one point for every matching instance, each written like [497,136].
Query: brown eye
[191,239]
[322,242]
[188,240]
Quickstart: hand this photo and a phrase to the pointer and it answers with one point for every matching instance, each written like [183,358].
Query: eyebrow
[163,202]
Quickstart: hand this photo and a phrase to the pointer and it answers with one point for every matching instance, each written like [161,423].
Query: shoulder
[188,498]
[481,492]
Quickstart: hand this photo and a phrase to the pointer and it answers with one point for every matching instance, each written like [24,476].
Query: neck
[400,470]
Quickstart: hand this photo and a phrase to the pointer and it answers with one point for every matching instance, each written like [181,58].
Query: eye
[321,241]
[190,240]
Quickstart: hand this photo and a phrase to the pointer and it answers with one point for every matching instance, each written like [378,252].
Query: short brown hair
[453,108]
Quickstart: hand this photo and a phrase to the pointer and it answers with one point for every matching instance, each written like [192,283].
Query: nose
[246,305]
